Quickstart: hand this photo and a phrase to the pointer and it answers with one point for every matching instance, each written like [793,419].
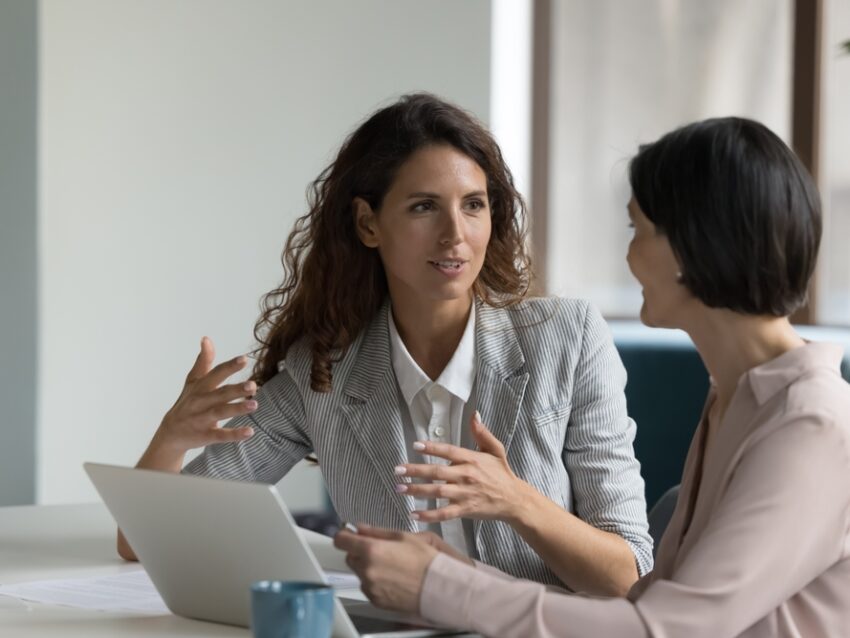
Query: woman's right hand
[193,419]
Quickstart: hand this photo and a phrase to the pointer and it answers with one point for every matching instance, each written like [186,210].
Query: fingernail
[251,404]
[478,418]
[400,488]
[247,432]
[249,387]
[400,469]
[241,359]
[418,445]
[414,516]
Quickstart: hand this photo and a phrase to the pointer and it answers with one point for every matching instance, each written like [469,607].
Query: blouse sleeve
[782,521]
[279,441]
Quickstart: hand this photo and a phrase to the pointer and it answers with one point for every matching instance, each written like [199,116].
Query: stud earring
[679,276]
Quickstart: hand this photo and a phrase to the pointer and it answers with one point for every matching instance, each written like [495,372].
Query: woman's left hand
[391,565]
[476,484]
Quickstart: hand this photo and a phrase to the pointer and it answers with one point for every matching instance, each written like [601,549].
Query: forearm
[585,558]
[459,596]
[158,456]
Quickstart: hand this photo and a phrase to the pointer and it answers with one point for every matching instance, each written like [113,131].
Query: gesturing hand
[193,420]
[476,484]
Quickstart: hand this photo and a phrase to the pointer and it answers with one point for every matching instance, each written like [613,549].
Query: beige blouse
[758,545]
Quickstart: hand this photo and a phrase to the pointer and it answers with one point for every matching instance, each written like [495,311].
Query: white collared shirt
[438,411]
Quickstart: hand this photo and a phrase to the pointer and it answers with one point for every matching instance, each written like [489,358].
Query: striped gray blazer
[548,383]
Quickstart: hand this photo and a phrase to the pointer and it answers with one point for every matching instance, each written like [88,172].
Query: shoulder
[812,421]
[371,345]
[821,391]
[573,323]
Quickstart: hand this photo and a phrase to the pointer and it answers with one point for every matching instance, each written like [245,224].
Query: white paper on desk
[130,591]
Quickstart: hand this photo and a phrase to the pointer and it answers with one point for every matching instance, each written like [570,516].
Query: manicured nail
[419,445]
[241,359]
[249,387]
[246,432]
[400,469]
[414,516]
[478,418]
[400,488]
[251,404]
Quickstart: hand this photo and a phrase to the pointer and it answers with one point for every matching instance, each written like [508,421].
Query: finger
[218,374]
[452,473]
[380,532]
[225,394]
[446,451]
[229,410]
[353,544]
[432,490]
[439,515]
[487,442]
[230,435]
[204,361]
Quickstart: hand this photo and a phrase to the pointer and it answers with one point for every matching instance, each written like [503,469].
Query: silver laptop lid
[203,541]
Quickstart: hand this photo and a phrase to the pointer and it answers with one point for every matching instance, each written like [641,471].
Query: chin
[645,319]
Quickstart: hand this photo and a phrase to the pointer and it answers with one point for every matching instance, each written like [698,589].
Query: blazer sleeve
[607,486]
[279,441]
[782,521]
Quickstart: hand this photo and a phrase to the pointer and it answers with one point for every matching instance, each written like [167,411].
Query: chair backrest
[659,516]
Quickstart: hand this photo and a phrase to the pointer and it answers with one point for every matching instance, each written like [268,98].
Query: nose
[451,232]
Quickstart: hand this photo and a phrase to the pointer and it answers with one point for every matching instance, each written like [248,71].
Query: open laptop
[203,541]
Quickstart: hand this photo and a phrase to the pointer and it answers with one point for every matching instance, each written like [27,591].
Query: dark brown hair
[740,211]
[333,284]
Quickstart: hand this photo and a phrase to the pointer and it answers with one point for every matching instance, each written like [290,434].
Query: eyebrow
[437,196]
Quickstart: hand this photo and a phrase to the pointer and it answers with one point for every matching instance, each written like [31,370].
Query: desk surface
[66,541]
[41,542]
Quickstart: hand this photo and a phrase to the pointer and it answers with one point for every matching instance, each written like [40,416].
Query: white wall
[177,139]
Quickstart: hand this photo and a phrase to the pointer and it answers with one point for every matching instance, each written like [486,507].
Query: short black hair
[740,211]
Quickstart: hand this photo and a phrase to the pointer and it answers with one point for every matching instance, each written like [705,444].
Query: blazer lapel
[500,376]
[372,411]
[500,380]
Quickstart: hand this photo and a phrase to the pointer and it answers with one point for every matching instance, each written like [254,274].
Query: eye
[423,206]
[476,204]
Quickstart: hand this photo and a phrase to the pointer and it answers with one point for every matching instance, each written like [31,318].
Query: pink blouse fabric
[758,545]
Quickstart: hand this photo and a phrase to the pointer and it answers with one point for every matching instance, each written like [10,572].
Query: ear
[365,222]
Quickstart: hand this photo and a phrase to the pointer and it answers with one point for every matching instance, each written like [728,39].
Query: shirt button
[439,431]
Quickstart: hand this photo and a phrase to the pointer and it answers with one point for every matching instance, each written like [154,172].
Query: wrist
[524,504]
[163,453]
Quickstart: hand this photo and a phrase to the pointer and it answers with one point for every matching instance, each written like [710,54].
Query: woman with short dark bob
[726,231]
[404,312]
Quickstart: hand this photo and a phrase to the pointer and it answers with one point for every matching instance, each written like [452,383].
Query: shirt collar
[458,375]
[775,375]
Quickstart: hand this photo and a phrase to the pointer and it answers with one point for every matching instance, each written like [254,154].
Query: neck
[730,344]
[431,331]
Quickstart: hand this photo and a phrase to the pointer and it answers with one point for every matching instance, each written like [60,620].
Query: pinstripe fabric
[549,384]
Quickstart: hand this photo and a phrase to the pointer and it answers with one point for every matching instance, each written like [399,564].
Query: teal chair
[666,390]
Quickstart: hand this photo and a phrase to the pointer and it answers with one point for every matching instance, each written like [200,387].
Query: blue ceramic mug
[291,609]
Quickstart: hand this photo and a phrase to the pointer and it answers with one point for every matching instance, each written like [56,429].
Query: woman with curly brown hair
[403,314]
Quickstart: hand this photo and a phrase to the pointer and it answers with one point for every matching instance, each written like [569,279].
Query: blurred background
[154,155]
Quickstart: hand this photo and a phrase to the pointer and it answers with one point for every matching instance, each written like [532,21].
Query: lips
[448,263]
